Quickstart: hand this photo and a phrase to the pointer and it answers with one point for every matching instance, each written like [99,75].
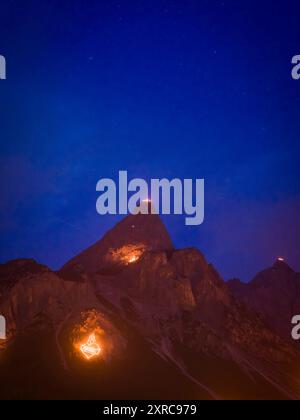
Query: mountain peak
[124,243]
[281,264]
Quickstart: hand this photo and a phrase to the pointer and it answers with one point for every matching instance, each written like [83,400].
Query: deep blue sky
[163,88]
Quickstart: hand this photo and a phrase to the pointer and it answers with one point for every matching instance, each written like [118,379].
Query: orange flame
[133,259]
[91,348]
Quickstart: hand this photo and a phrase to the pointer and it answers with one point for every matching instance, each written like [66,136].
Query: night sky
[188,89]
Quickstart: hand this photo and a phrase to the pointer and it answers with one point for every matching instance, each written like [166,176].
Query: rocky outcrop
[31,290]
[13,271]
[274,293]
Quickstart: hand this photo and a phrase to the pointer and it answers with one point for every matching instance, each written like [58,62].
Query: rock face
[13,271]
[163,318]
[275,293]
[130,237]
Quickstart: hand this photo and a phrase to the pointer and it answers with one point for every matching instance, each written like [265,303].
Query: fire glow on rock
[88,335]
[127,254]
[94,338]
[91,348]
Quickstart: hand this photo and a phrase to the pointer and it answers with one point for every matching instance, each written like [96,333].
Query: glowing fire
[127,254]
[91,348]
[133,259]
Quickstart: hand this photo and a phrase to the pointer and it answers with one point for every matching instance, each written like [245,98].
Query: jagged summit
[280,275]
[281,264]
[126,241]
[275,293]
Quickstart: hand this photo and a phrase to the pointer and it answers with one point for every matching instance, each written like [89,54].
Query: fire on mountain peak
[127,254]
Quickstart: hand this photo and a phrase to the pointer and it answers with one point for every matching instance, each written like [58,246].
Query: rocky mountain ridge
[140,296]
